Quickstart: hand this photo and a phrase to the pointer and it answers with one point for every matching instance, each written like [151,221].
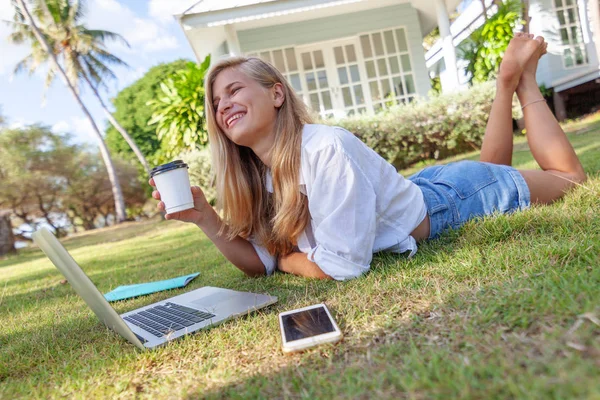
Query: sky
[154,37]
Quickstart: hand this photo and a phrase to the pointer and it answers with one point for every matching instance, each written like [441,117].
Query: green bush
[178,112]
[484,49]
[437,128]
[133,114]
[199,163]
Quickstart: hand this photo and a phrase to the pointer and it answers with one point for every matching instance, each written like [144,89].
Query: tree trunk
[112,175]
[121,130]
[72,222]
[7,239]
[526,17]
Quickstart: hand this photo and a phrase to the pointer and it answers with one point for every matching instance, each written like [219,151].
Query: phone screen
[304,324]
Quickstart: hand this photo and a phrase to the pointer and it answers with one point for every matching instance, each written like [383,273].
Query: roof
[204,6]
[207,13]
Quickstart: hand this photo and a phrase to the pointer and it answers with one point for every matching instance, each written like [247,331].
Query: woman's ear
[278,95]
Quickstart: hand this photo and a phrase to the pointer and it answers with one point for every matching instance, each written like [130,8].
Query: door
[331,78]
[350,90]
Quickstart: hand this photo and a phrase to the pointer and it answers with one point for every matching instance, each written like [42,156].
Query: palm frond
[47,12]
[32,61]
[102,36]
[107,58]
[77,11]
[17,37]
[94,76]
[72,68]
[24,64]
[49,79]
[17,26]
[101,69]
[96,80]
[18,16]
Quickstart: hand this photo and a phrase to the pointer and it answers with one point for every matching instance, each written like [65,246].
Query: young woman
[313,200]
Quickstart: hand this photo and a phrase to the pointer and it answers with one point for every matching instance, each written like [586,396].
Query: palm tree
[26,29]
[83,53]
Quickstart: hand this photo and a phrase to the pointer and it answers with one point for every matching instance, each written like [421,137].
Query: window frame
[572,46]
[370,102]
[406,97]
[299,70]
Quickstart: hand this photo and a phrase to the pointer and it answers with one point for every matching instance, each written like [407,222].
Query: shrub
[484,48]
[199,163]
[179,111]
[133,114]
[440,127]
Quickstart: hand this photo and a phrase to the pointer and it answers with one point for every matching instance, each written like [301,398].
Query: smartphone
[307,327]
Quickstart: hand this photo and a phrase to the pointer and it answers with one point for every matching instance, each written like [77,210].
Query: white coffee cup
[173,184]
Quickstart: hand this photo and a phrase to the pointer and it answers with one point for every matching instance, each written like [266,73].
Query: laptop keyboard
[164,319]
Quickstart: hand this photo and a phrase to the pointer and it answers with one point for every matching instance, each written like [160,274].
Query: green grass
[503,308]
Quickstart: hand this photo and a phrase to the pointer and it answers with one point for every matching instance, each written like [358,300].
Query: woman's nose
[224,105]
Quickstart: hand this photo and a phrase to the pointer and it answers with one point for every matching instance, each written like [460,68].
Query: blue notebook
[128,291]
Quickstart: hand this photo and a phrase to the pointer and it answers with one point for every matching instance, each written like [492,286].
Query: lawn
[507,307]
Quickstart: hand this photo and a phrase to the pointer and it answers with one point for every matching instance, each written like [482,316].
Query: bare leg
[497,146]
[548,143]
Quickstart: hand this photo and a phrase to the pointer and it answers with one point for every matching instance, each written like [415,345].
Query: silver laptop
[157,323]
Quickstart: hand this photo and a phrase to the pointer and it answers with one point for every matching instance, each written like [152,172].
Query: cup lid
[167,167]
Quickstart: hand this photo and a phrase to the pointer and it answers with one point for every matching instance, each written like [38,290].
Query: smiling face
[245,111]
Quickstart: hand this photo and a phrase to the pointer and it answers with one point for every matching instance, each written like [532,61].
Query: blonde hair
[248,209]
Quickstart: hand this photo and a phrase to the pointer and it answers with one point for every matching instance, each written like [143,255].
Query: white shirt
[358,204]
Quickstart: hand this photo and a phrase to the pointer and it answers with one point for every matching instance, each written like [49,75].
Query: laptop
[158,323]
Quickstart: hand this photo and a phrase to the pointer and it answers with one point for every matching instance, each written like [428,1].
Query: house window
[317,81]
[349,78]
[574,52]
[332,78]
[388,66]
[350,75]
[285,61]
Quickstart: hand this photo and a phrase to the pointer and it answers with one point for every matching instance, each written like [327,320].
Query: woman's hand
[194,215]
[238,250]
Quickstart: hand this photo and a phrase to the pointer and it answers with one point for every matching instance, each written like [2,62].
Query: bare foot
[516,59]
[528,81]
[532,63]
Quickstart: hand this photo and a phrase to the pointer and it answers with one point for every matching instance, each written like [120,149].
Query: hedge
[437,128]
[199,163]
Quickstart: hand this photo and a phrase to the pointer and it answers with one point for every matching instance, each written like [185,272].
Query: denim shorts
[458,192]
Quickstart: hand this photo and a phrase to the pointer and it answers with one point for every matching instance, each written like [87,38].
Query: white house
[342,56]
[571,67]
[348,56]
